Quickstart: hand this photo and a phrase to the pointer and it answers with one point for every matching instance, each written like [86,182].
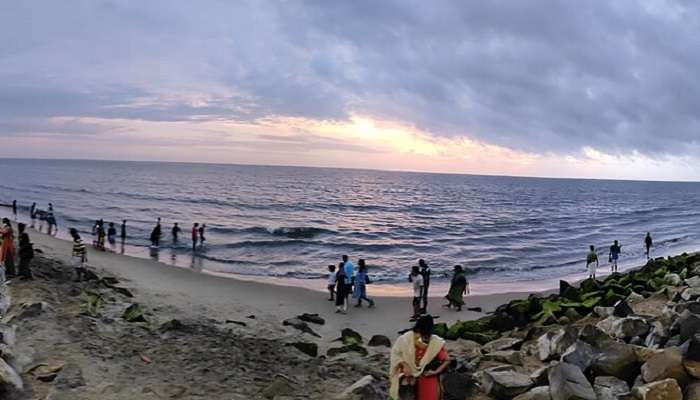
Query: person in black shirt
[123,230]
[425,272]
[648,243]
[175,231]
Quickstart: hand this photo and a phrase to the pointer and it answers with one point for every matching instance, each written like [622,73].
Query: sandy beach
[200,294]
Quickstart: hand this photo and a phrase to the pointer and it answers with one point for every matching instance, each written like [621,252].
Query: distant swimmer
[648,242]
[195,235]
[615,251]
[123,230]
[592,262]
[201,234]
[175,231]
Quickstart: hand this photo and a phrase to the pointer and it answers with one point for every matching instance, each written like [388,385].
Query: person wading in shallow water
[418,358]
[201,234]
[123,233]
[175,232]
[591,262]
[195,235]
[648,242]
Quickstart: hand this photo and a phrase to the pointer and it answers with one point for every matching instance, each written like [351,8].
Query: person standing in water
[123,233]
[195,235]
[615,251]
[648,242]
[32,213]
[175,232]
[26,253]
[79,255]
[112,235]
[51,220]
[591,262]
[425,273]
[201,234]
[417,280]
[361,282]
[14,209]
[155,235]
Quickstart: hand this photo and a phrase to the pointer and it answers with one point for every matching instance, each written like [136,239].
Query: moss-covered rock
[440,329]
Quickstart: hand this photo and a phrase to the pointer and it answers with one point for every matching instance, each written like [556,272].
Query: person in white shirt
[418,283]
[331,282]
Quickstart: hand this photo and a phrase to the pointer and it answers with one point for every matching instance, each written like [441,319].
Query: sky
[599,89]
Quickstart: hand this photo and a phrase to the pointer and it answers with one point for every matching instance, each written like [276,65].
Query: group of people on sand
[12,255]
[345,281]
[592,262]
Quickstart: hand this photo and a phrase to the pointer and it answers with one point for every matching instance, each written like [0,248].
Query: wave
[300,232]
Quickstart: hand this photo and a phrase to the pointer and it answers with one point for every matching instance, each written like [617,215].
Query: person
[32,213]
[591,262]
[51,220]
[155,235]
[361,281]
[78,255]
[417,360]
[425,273]
[459,286]
[112,234]
[201,234]
[349,274]
[341,301]
[331,282]
[195,235]
[648,242]
[7,248]
[123,230]
[101,235]
[14,209]
[26,253]
[175,231]
[615,251]
[417,280]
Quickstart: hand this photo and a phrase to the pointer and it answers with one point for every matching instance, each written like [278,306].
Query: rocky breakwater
[10,380]
[629,336]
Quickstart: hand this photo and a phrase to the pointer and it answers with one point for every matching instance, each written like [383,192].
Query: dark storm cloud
[542,76]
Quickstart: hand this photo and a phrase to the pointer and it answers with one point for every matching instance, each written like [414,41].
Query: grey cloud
[542,76]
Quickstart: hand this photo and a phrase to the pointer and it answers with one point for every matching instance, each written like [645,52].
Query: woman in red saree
[417,359]
[7,249]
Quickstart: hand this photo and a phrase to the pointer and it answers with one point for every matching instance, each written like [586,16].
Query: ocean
[291,222]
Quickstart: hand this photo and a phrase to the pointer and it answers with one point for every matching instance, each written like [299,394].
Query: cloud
[547,78]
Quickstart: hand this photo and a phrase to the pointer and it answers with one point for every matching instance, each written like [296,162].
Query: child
[79,255]
[331,282]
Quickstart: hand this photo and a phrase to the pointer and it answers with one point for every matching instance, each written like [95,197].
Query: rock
[474,309]
[456,386]
[134,313]
[629,327]
[279,386]
[233,321]
[692,392]
[661,390]
[567,382]
[502,344]
[505,384]
[349,336]
[350,348]
[580,354]
[609,387]
[603,312]
[536,393]
[689,325]
[172,325]
[622,309]
[312,318]
[32,310]
[664,365]
[507,357]
[8,334]
[644,353]
[296,323]
[553,343]
[379,340]
[360,390]
[657,337]
[310,349]
[539,376]
[634,297]
[693,282]
[690,293]
[615,359]
[70,377]
[692,357]
[9,377]
[673,279]
[606,325]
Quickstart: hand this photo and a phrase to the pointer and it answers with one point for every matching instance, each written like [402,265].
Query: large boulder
[456,386]
[9,377]
[501,344]
[615,359]
[660,390]
[505,383]
[692,357]
[349,336]
[609,387]
[693,282]
[536,393]
[690,293]
[312,318]
[310,349]
[688,324]
[567,382]
[379,340]
[664,365]
[673,279]
[296,323]
[622,309]
[553,343]
[363,389]
[629,327]
[512,357]
[580,354]
[657,336]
